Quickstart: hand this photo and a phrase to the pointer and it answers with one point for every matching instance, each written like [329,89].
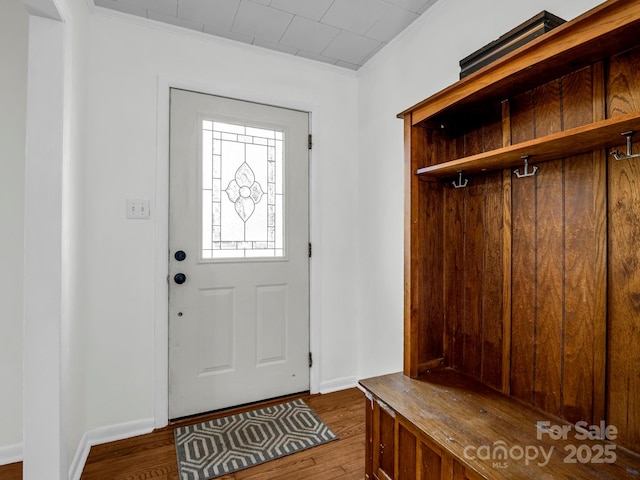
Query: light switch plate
[138,209]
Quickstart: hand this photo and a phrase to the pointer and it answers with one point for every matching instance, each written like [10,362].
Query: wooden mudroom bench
[522,266]
[445,426]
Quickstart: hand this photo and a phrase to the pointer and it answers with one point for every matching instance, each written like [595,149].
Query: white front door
[238,260]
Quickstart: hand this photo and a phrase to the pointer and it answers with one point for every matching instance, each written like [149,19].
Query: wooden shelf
[598,135]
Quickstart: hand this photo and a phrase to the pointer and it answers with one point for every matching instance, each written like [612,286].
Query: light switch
[137,209]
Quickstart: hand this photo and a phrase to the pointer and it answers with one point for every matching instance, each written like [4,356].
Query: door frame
[161,215]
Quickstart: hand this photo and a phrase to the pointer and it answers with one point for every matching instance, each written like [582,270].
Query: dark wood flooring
[153,457]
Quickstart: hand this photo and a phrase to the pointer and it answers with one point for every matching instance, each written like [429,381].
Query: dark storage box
[532,28]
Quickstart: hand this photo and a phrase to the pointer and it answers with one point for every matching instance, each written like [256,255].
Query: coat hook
[459,183]
[525,170]
[630,153]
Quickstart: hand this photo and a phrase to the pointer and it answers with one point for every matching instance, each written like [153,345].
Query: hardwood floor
[153,456]
[12,471]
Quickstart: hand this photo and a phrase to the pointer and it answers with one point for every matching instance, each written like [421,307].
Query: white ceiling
[345,33]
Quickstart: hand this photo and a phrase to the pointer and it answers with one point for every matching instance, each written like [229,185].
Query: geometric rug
[218,447]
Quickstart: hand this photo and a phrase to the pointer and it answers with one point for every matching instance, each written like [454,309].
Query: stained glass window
[242,191]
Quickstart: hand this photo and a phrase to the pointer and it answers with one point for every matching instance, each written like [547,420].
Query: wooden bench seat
[444,425]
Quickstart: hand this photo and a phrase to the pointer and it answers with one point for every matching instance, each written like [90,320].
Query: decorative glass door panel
[242,191]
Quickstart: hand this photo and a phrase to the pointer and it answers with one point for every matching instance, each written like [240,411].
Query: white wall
[119,276]
[420,62]
[13,79]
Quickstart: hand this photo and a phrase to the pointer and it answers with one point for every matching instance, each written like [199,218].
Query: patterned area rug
[225,445]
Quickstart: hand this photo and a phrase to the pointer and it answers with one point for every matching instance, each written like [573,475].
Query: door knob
[180,255]
[179,278]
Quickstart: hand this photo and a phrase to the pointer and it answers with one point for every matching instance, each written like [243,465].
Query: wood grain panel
[474,243]
[492,131]
[454,276]
[577,98]
[458,471]
[623,398]
[585,258]
[601,285]
[386,445]
[431,463]
[507,250]
[474,140]
[523,293]
[431,327]
[407,450]
[549,328]
[493,282]
[623,83]
[522,119]
[547,110]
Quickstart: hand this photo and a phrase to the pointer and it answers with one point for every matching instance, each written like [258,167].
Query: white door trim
[161,341]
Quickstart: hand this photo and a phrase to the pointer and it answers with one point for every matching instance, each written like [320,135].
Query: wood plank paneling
[623,397]
[549,326]
[431,329]
[492,131]
[547,109]
[474,278]
[454,276]
[473,140]
[584,287]
[493,282]
[522,119]
[507,272]
[523,289]
[577,98]
[473,268]
[559,291]
[623,85]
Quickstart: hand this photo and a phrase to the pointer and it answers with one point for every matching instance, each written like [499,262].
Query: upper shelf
[599,135]
[601,32]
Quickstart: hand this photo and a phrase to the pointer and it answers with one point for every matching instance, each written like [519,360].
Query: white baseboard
[338,384]
[11,454]
[101,435]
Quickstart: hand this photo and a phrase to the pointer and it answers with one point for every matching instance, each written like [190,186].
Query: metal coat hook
[630,153]
[459,183]
[525,170]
